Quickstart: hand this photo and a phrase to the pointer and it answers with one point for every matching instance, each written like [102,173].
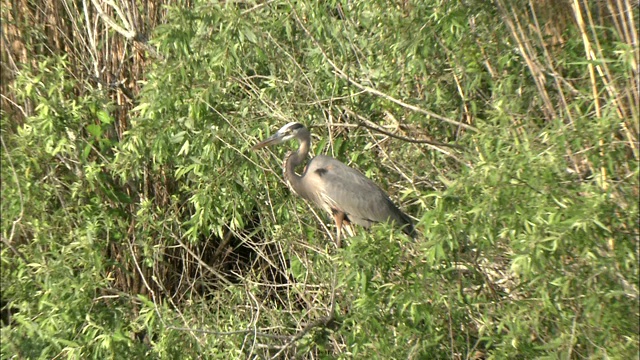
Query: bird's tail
[407,225]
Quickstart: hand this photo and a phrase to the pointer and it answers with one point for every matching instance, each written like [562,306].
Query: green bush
[156,232]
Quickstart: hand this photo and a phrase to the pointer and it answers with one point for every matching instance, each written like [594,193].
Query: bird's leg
[338,217]
[346,226]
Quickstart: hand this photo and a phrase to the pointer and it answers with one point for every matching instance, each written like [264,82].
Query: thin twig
[256,7]
[228,333]
[8,242]
[324,321]
[128,33]
[202,263]
[19,188]
[362,121]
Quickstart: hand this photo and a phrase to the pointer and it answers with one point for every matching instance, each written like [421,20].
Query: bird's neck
[291,161]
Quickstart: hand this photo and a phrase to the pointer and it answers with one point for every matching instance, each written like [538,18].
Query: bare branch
[362,121]
[128,33]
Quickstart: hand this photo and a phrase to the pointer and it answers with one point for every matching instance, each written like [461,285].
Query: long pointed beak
[272,140]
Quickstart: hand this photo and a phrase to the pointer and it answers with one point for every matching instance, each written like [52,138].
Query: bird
[343,192]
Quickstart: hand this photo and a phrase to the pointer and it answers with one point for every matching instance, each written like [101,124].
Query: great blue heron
[343,192]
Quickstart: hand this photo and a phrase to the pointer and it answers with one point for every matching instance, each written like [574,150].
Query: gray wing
[339,187]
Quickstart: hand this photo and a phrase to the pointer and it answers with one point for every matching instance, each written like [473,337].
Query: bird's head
[286,133]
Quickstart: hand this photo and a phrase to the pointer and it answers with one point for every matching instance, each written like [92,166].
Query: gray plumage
[345,193]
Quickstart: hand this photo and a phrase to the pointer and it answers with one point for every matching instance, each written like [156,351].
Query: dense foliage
[136,221]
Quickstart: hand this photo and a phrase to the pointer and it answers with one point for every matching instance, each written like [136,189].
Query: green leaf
[104,117]
[94,130]
[184,150]
[250,35]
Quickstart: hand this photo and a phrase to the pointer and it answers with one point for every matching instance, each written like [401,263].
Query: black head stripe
[296,126]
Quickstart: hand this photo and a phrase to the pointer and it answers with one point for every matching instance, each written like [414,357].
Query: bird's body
[335,184]
[343,192]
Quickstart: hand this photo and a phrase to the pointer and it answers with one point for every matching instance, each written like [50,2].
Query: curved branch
[371,90]
[362,121]
[128,31]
